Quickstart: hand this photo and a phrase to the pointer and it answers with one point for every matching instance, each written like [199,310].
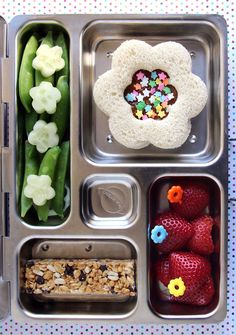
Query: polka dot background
[225,8]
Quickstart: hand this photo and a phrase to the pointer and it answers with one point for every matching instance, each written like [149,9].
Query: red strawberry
[201,297]
[162,270]
[201,241]
[191,268]
[188,199]
[171,232]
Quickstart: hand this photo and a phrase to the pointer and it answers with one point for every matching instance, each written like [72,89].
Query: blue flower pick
[158,234]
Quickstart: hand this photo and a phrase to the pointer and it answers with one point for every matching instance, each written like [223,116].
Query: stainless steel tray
[99,164]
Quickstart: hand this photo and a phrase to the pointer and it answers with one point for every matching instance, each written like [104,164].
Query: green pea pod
[47,167]
[48,39]
[30,120]
[31,167]
[20,153]
[61,116]
[59,179]
[45,117]
[61,42]
[26,73]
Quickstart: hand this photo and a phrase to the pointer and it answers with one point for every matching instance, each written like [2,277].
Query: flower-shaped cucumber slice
[48,60]
[38,188]
[44,136]
[45,98]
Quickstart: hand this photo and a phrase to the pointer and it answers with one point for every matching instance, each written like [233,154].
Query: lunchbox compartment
[39,28]
[158,203]
[77,305]
[110,201]
[203,41]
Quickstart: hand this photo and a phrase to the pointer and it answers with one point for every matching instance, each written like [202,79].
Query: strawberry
[201,241]
[162,270]
[188,199]
[200,297]
[171,232]
[191,268]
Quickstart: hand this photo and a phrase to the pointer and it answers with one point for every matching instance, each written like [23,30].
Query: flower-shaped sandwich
[150,94]
[44,135]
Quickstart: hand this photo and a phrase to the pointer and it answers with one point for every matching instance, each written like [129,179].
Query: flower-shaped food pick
[44,136]
[48,60]
[150,94]
[158,234]
[45,98]
[176,287]
[38,188]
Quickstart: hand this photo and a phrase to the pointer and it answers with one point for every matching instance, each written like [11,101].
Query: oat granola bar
[80,276]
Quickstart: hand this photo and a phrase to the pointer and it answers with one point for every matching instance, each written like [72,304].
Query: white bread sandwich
[150,94]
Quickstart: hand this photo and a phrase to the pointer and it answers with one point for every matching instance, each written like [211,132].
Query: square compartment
[110,201]
[204,39]
[158,203]
[72,307]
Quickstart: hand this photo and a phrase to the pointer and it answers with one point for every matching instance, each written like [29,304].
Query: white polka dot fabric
[222,7]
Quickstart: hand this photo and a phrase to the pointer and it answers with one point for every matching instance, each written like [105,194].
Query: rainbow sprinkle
[150,94]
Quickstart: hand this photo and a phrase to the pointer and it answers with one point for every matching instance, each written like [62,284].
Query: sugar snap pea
[61,116]
[30,120]
[59,179]
[20,154]
[45,117]
[31,167]
[48,40]
[26,73]
[61,42]
[47,167]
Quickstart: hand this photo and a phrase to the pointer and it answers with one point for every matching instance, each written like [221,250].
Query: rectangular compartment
[92,306]
[158,203]
[39,28]
[203,39]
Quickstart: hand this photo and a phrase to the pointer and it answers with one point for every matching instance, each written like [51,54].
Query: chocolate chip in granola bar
[39,280]
[29,290]
[69,270]
[82,276]
[103,267]
[30,263]
[132,289]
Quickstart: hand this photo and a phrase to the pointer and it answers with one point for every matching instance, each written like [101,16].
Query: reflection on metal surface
[109,54]
[193,139]
[109,138]
[112,200]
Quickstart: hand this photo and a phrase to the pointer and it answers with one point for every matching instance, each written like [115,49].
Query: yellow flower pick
[176,287]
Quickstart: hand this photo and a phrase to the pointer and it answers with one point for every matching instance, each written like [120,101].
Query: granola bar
[80,276]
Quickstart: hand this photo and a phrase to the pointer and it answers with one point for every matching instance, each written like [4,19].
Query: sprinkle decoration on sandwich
[150,94]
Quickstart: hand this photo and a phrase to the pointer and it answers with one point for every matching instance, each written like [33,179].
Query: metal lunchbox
[114,190]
